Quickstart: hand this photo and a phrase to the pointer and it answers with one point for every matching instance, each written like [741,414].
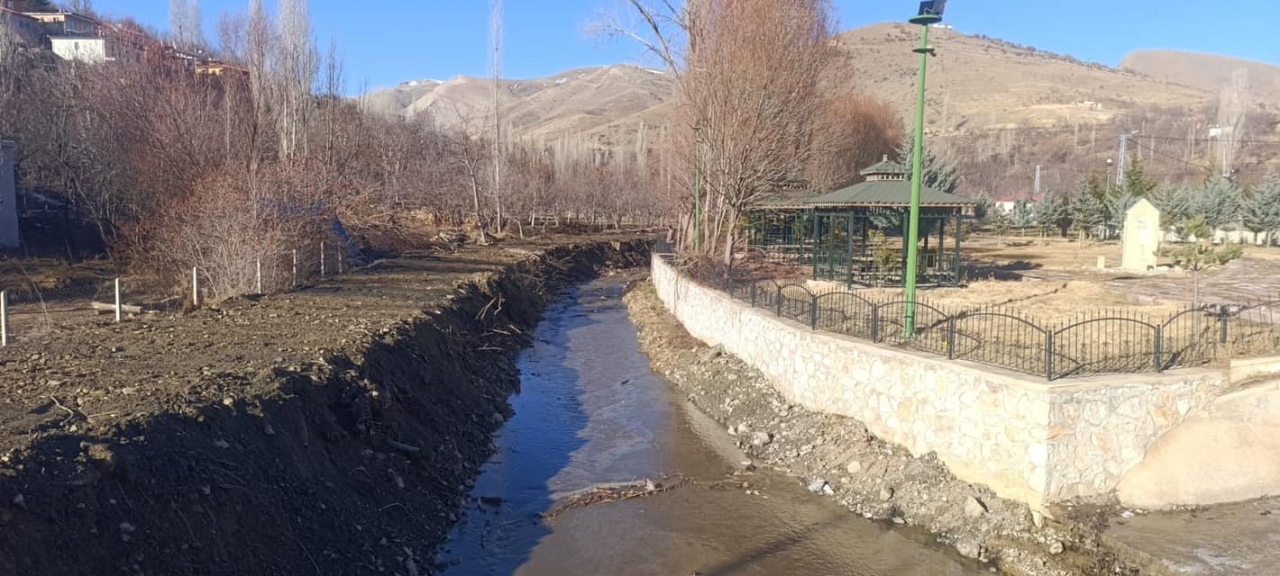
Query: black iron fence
[1105,341]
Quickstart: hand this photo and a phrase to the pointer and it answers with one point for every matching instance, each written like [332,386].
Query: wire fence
[35,310]
[1103,341]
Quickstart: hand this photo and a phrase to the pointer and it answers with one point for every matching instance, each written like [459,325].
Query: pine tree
[1219,204]
[1055,212]
[1135,181]
[1176,206]
[1023,214]
[1202,254]
[1262,211]
[1117,207]
[1087,210]
[981,206]
[935,173]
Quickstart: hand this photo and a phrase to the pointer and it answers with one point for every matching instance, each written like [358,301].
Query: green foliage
[1134,181]
[1117,207]
[1000,222]
[981,206]
[1087,210]
[883,253]
[1262,210]
[1023,214]
[1202,254]
[936,174]
[1176,206]
[1055,212]
[1219,204]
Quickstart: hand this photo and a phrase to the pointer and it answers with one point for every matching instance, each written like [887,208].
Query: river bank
[333,430]
[838,457]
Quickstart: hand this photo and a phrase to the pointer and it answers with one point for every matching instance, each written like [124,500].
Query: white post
[339,261]
[119,302]
[195,286]
[4,318]
[258,280]
[322,259]
[295,269]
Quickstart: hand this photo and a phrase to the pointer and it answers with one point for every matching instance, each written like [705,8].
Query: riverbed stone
[760,439]
[974,508]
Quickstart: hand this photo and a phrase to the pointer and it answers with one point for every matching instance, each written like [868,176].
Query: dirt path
[329,431]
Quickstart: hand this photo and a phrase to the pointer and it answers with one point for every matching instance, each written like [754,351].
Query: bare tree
[185,24]
[1233,109]
[750,77]
[296,66]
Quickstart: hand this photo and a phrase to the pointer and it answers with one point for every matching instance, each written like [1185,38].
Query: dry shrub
[226,226]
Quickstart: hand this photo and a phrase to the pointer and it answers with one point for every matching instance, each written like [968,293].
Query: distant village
[82,37]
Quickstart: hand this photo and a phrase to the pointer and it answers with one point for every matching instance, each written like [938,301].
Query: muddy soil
[328,431]
[839,457]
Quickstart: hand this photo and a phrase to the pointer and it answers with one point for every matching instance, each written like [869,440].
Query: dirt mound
[332,431]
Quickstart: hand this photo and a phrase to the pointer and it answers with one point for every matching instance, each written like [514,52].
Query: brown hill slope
[1207,72]
[978,83]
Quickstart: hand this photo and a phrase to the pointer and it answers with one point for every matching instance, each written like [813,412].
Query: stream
[591,413]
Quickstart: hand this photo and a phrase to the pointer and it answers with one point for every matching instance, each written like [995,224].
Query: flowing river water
[591,413]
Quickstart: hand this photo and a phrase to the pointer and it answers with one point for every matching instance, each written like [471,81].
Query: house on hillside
[218,69]
[79,48]
[25,28]
[67,23]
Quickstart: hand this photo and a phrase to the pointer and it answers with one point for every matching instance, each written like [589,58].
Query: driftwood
[104,307]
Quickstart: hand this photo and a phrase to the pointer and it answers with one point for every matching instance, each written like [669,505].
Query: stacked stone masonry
[1028,439]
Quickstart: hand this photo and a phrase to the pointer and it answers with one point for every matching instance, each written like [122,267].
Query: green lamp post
[930,13]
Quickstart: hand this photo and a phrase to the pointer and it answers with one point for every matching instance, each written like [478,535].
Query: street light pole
[930,13]
[1109,162]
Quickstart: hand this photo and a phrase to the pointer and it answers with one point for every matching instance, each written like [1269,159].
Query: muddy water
[590,412]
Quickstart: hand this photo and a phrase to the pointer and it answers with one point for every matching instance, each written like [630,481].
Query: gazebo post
[955,274]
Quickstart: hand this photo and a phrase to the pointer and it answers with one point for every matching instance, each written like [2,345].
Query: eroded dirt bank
[330,431]
[838,457]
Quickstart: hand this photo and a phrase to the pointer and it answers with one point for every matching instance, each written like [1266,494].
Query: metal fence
[30,311]
[1093,342]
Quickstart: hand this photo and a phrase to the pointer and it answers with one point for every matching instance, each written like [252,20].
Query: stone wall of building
[1026,438]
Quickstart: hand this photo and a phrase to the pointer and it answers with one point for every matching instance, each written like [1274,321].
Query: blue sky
[391,41]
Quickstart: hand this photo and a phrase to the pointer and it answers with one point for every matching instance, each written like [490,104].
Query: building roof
[887,193]
[884,166]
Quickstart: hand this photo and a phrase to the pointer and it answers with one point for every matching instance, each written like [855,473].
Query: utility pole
[1037,193]
[495,44]
[930,13]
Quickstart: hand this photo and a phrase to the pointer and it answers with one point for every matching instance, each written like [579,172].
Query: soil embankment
[329,431]
[839,457]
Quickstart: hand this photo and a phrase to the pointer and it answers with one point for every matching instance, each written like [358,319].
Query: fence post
[813,312]
[257,280]
[1159,348]
[1048,356]
[753,294]
[4,318]
[119,302]
[195,286]
[339,261]
[1223,316]
[295,269]
[951,338]
[875,322]
[778,302]
[322,259]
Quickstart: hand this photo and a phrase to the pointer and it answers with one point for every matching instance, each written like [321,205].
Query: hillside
[1208,72]
[978,83]
[996,108]
[570,103]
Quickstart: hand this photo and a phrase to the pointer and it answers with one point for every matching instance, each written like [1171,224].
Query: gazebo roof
[885,166]
[887,193]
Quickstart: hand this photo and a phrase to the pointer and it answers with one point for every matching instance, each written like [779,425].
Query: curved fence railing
[1093,342]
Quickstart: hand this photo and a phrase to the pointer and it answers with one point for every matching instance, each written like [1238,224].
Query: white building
[80,48]
[9,237]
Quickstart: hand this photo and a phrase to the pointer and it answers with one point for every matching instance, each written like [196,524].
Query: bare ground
[329,431]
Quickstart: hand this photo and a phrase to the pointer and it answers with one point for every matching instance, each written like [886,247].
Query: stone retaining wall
[1026,438]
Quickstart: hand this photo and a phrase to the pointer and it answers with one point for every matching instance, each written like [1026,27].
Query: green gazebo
[848,235]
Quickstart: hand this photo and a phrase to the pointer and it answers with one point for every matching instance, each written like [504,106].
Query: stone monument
[1141,237]
[9,237]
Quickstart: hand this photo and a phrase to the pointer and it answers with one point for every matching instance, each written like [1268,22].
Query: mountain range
[979,87]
